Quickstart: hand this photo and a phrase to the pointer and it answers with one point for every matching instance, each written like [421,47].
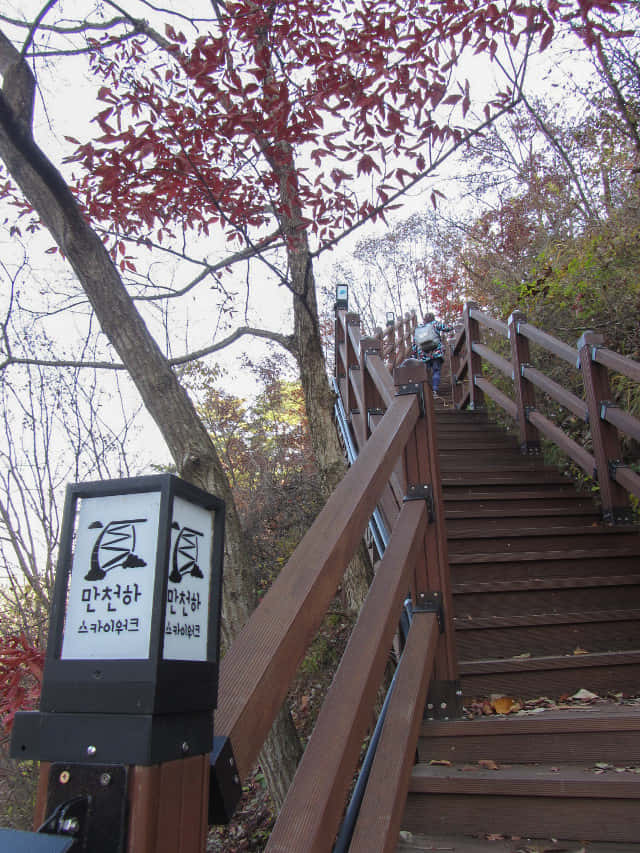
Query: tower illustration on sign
[115,546]
[184,560]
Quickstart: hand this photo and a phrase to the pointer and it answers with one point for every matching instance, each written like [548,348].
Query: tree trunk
[166,400]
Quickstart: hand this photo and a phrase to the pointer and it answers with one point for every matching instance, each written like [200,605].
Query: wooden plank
[493,358]
[310,816]
[496,395]
[525,780]
[256,672]
[495,325]
[618,363]
[144,798]
[562,350]
[623,421]
[572,817]
[584,459]
[557,392]
[40,808]
[383,805]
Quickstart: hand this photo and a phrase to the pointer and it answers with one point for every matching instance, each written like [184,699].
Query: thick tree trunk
[166,400]
[319,399]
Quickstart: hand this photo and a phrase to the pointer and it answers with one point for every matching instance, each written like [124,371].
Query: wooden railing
[596,408]
[392,422]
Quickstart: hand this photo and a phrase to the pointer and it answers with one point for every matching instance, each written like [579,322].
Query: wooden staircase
[546,601]
[546,597]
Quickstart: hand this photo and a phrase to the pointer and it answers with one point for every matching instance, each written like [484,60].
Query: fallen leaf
[584,695]
[522,656]
[488,764]
[504,704]
[579,651]
[442,761]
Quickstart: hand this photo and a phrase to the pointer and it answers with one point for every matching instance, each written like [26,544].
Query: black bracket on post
[444,700]
[422,492]
[431,602]
[412,388]
[225,788]
[87,804]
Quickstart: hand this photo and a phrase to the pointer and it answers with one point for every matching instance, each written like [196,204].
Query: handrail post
[604,436]
[371,400]
[474,362]
[524,390]
[431,580]
[455,367]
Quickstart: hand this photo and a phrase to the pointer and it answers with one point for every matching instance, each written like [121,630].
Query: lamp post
[131,670]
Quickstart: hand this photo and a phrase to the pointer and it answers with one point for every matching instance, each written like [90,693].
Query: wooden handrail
[484,320]
[598,410]
[383,805]
[619,363]
[548,342]
[256,671]
[310,817]
[557,392]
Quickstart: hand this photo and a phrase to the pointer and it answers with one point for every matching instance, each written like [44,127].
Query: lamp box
[342,297]
[390,318]
[135,621]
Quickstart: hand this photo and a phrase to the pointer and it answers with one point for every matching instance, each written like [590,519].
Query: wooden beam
[384,800]
[310,817]
[258,668]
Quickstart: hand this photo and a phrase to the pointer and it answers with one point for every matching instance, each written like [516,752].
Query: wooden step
[552,675]
[489,492]
[606,732]
[564,525]
[543,634]
[410,842]
[505,574]
[543,548]
[519,479]
[520,508]
[563,801]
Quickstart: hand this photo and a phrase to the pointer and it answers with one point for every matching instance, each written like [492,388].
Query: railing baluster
[474,362]
[525,394]
[604,435]
[432,577]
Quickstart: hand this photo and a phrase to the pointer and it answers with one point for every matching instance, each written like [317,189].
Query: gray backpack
[426,337]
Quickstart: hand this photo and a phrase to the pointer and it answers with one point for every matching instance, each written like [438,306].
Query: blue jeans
[435,366]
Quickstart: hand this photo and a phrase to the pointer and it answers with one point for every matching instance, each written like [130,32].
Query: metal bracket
[431,603]
[613,465]
[605,405]
[422,492]
[225,788]
[88,802]
[530,448]
[444,700]
[412,388]
[373,412]
[619,515]
[528,410]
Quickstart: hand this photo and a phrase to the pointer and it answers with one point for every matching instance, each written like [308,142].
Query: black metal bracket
[372,413]
[422,492]
[444,700]
[412,388]
[530,448]
[225,788]
[431,603]
[528,410]
[605,405]
[88,803]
